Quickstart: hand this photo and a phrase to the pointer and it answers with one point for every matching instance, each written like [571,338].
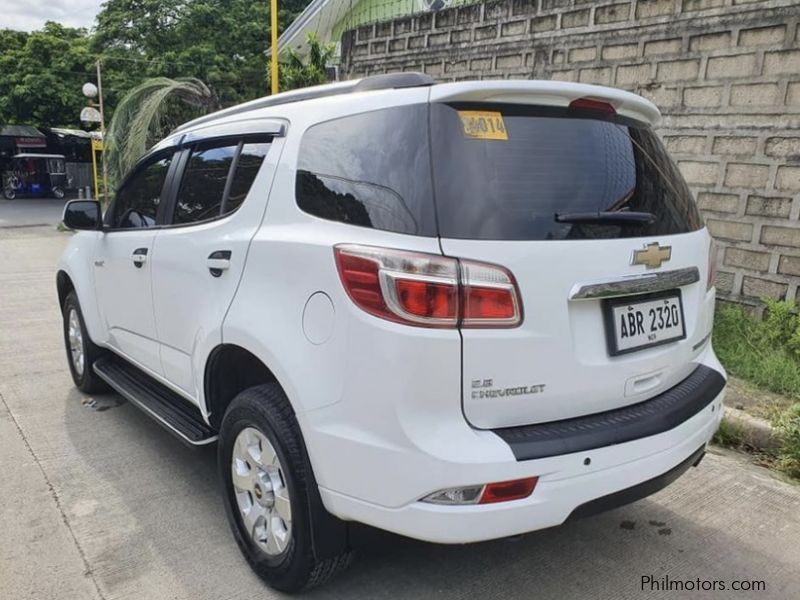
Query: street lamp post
[95,113]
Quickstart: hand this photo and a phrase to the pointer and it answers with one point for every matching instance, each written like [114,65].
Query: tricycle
[35,175]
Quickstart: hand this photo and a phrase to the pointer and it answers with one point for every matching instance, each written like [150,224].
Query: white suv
[456,312]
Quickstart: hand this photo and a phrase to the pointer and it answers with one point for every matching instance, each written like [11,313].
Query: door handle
[139,257]
[218,261]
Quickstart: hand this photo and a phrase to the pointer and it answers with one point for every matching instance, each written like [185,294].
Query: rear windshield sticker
[483,124]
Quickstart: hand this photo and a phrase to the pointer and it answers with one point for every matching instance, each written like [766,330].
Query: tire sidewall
[289,565]
[81,380]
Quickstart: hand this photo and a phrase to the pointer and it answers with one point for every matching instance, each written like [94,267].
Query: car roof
[537,92]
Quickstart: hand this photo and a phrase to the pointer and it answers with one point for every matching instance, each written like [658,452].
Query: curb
[756,433]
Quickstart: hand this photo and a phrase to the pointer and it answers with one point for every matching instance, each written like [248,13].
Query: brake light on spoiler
[428,290]
[593,104]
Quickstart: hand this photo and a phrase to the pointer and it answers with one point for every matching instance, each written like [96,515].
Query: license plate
[643,322]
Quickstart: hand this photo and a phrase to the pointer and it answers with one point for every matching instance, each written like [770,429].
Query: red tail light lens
[428,290]
[505,491]
[426,298]
[593,104]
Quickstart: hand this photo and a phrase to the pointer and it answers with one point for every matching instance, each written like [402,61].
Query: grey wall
[725,73]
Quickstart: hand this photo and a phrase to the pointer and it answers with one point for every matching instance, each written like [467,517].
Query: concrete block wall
[725,73]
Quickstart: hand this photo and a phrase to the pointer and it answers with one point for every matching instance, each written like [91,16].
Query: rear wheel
[81,351]
[263,466]
[58,193]
[9,193]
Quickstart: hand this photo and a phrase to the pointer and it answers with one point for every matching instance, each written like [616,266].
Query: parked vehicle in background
[35,175]
[457,312]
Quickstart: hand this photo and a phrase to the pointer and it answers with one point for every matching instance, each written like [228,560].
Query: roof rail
[375,82]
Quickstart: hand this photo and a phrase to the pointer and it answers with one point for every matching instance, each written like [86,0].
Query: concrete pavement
[98,502]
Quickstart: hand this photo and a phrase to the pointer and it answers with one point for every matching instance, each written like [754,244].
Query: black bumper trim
[656,415]
[637,492]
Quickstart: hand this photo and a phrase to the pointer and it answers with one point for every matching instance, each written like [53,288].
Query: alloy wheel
[75,337]
[262,497]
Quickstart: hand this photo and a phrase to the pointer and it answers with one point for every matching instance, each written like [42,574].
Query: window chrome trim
[635,284]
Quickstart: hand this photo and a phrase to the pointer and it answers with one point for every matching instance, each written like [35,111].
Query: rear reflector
[593,104]
[505,491]
[428,290]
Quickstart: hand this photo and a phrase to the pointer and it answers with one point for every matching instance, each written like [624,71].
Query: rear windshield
[493,172]
[510,172]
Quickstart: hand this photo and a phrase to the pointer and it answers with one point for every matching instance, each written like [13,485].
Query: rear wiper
[623,216]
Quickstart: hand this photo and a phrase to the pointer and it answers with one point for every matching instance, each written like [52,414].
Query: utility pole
[274,35]
[102,130]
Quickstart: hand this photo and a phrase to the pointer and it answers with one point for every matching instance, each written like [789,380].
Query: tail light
[428,290]
[712,265]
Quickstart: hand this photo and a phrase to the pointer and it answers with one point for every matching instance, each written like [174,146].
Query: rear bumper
[565,486]
[653,416]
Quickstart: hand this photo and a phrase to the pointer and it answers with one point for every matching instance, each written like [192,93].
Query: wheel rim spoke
[282,505]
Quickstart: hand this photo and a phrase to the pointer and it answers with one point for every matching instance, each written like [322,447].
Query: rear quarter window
[370,170]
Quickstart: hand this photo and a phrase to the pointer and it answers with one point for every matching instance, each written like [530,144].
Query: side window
[372,169]
[137,201]
[203,182]
[247,166]
[207,190]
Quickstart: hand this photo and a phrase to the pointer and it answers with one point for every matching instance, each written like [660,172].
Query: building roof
[20,131]
[35,155]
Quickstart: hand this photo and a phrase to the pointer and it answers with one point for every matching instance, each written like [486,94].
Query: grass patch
[729,436]
[787,424]
[763,351]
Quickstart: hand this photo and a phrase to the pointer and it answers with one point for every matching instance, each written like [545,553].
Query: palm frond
[140,117]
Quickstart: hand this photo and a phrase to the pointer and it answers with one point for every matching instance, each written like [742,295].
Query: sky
[28,15]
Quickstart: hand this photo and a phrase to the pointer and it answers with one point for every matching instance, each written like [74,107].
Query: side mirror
[82,214]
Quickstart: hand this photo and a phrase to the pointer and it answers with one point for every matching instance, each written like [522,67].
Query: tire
[266,410]
[86,380]
[9,193]
[58,193]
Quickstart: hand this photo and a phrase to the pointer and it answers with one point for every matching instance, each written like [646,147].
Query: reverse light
[490,493]
[593,104]
[427,290]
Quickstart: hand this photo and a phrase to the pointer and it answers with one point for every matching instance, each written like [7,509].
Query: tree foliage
[223,43]
[295,73]
[41,74]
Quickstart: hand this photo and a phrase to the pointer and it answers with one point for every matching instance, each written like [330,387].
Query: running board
[176,414]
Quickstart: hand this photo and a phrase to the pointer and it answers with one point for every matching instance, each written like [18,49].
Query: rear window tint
[371,170]
[548,162]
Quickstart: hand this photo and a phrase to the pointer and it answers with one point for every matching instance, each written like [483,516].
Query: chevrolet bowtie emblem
[652,256]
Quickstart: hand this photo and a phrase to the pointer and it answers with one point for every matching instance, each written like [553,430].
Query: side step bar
[171,411]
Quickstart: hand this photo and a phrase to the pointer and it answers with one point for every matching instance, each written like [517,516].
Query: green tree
[223,43]
[41,74]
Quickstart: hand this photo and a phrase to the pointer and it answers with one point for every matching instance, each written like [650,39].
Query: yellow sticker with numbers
[483,124]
